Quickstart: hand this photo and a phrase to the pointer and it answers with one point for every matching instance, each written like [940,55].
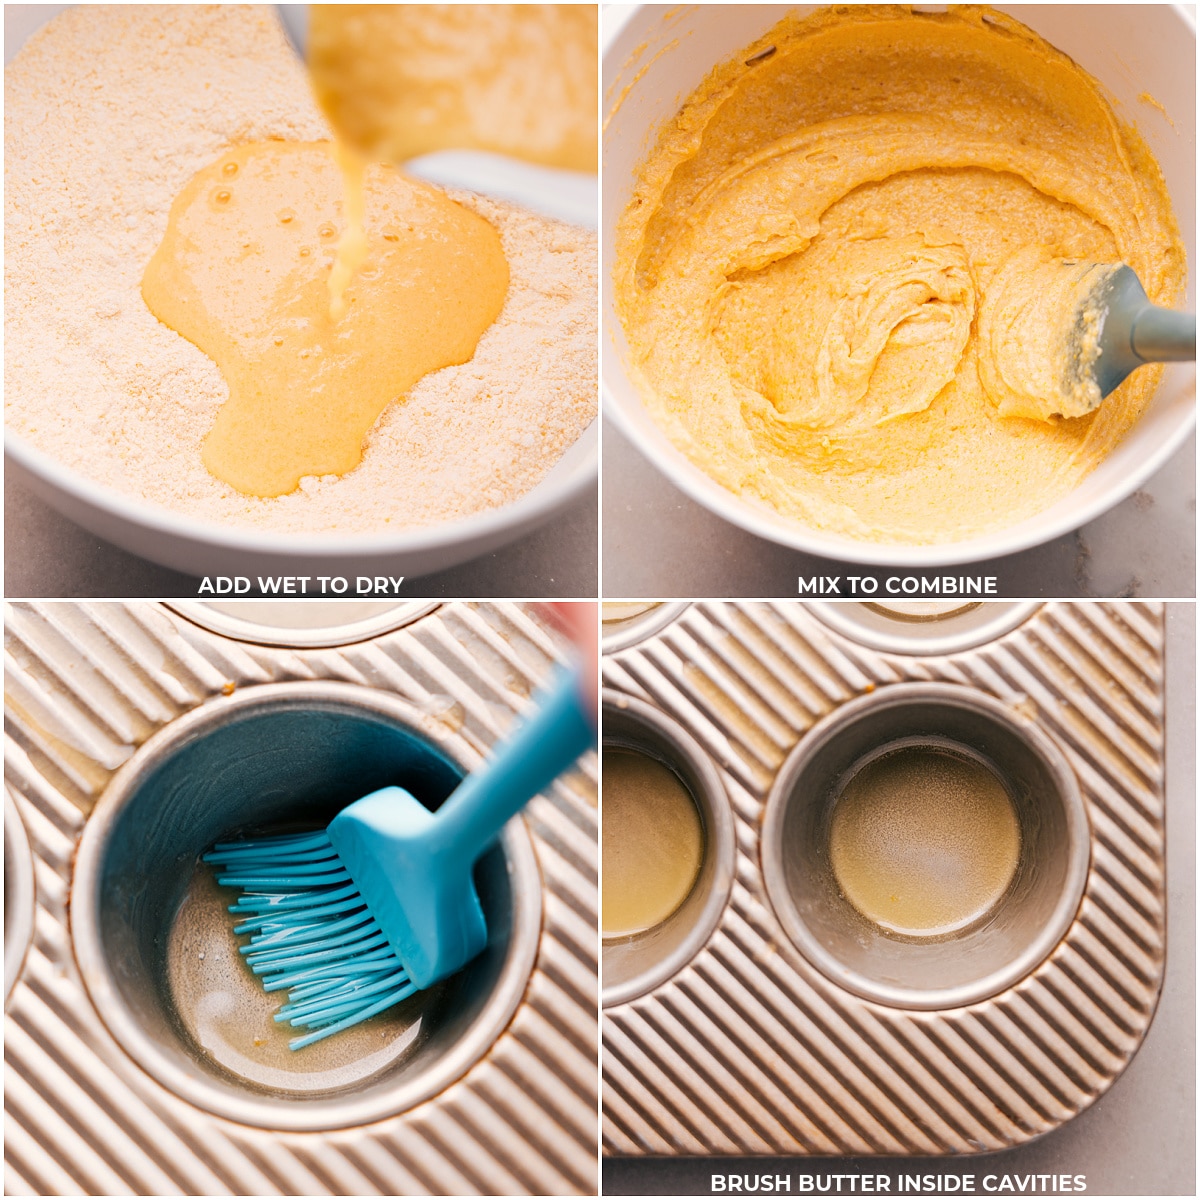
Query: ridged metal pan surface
[86,684]
[751,1050]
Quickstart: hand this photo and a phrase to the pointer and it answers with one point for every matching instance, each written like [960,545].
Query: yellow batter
[243,273]
[398,80]
[1039,329]
[802,270]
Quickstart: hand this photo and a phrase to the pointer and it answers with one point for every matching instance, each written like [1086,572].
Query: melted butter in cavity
[229,1016]
[243,272]
[924,842]
[653,843]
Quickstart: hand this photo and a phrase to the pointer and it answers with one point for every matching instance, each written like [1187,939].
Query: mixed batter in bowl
[826,248]
[218,387]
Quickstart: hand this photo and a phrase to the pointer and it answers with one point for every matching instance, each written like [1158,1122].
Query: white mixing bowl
[654,58]
[207,548]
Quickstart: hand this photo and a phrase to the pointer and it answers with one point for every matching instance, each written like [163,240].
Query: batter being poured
[243,273]
[400,80]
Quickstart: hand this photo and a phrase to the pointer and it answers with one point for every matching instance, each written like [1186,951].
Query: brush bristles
[310,932]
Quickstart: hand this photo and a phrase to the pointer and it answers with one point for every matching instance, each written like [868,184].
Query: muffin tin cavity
[157,949]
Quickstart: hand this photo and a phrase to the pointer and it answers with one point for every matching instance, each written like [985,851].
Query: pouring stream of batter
[316,333]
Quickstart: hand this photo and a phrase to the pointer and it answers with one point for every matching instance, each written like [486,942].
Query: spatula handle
[1164,335]
[539,750]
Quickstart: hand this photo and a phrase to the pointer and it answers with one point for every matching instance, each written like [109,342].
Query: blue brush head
[311,932]
[353,920]
[383,903]
[417,879]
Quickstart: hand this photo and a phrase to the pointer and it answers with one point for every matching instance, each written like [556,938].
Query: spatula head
[1120,299]
[420,891]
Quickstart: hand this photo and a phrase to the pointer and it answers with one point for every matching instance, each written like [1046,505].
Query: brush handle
[540,750]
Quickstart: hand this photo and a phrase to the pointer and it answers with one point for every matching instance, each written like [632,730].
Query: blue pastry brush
[353,920]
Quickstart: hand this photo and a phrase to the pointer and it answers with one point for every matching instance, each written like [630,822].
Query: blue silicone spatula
[1134,331]
[353,920]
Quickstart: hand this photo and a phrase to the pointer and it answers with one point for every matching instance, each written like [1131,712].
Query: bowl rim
[1026,535]
[546,495]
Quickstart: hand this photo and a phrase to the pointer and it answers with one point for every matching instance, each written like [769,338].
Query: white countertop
[659,544]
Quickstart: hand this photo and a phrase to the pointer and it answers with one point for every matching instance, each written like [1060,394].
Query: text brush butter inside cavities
[805,254]
[653,843]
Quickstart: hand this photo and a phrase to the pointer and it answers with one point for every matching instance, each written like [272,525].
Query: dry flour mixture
[109,112]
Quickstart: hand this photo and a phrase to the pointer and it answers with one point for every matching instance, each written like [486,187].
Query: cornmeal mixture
[110,114]
[803,270]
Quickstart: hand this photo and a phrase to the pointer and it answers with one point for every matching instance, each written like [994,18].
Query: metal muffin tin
[636,965]
[749,1048]
[282,751]
[983,958]
[617,633]
[86,686]
[311,624]
[18,894]
[923,627]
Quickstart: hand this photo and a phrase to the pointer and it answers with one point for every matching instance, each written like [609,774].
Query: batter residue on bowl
[810,244]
